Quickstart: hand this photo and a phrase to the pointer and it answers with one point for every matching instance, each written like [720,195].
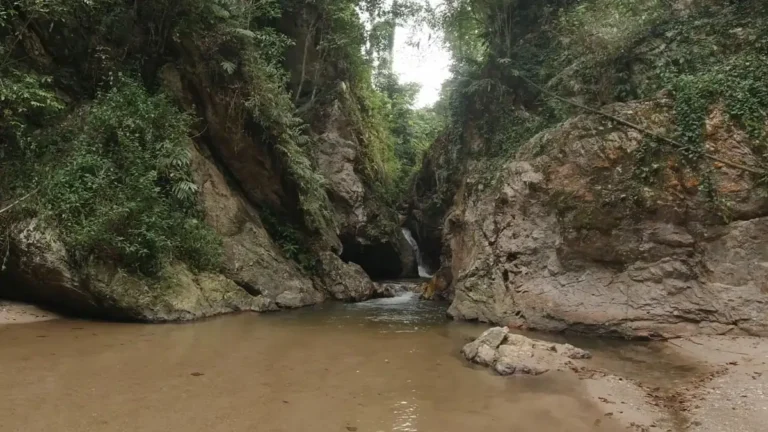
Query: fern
[220,11]
[228,67]
[121,189]
[244,32]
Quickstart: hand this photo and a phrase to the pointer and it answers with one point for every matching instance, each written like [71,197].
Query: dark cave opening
[380,260]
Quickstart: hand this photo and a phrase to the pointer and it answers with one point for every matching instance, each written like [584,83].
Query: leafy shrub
[120,187]
[290,239]
[739,84]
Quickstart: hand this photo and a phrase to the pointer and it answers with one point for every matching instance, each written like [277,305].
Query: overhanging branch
[18,201]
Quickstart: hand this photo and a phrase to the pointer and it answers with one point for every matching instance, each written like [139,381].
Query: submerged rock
[396,288]
[508,353]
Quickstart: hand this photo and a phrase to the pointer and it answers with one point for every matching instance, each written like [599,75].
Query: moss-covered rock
[179,296]
[39,270]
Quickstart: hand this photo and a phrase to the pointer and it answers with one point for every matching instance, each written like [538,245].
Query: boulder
[179,296]
[343,281]
[39,271]
[438,287]
[509,354]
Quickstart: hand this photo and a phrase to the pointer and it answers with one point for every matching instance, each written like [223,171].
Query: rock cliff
[568,237]
[369,231]
[255,275]
[603,170]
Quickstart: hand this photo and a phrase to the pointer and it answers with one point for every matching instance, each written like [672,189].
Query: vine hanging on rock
[630,124]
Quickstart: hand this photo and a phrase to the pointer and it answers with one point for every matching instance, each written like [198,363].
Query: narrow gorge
[241,215]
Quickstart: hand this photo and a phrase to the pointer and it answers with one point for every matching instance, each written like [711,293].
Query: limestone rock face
[568,237]
[508,353]
[251,259]
[336,160]
[368,231]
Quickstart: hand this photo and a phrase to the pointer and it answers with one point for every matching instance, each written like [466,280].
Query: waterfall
[423,272]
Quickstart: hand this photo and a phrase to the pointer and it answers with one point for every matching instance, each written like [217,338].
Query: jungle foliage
[593,52]
[86,128]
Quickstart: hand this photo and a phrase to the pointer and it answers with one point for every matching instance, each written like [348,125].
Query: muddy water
[385,365]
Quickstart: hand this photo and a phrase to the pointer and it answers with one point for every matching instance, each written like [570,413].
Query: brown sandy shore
[728,392]
[20,313]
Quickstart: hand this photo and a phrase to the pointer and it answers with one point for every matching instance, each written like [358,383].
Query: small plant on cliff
[739,84]
[290,239]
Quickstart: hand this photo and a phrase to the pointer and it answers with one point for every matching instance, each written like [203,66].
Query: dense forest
[88,126]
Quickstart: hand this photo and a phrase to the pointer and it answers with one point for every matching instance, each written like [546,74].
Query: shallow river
[383,365]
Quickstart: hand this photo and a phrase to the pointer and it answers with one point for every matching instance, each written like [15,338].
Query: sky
[427,65]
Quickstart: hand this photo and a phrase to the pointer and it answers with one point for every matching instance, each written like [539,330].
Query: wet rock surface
[509,354]
[397,287]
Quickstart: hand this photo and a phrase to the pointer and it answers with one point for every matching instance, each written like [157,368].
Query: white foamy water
[423,271]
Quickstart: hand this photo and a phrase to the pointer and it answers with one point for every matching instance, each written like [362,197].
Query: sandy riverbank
[728,393]
[20,313]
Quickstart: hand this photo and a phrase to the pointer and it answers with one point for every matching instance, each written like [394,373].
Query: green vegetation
[290,240]
[595,52]
[412,131]
[85,125]
[114,178]
[739,84]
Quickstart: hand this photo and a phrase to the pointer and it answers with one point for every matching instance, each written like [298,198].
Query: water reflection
[406,416]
